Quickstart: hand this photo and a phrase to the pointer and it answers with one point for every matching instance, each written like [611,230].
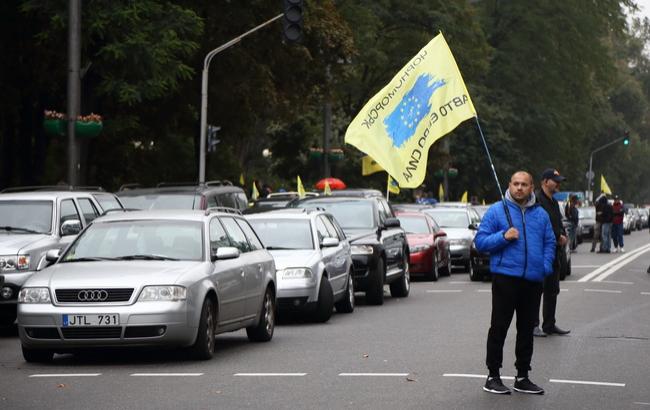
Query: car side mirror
[473,227]
[392,223]
[329,242]
[440,234]
[70,227]
[52,255]
[225,252]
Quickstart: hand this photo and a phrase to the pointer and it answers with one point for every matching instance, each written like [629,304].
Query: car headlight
[162,293]
[34,295]
[419,248]
[295,273]
[361,249]
[14,262]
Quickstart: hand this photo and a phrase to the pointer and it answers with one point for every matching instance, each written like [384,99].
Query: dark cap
[553,174]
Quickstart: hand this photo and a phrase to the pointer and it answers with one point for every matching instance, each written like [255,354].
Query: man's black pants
[509,295]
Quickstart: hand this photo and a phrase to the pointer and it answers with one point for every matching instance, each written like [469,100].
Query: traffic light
[626,139]
[292,20]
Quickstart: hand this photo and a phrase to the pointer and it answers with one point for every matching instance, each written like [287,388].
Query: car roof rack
[225,209]
[32,188]
[110,211]
[126,187]
[217,182]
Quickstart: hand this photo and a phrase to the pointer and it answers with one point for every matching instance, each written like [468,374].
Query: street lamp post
[204,91]
[590,174]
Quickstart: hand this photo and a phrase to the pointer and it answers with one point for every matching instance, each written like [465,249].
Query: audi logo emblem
[92,295]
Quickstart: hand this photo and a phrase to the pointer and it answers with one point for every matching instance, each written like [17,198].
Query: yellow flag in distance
[393,186]
[256,193]
[603,186]
[463,199]
[300,188]
[328,189]
[441,193]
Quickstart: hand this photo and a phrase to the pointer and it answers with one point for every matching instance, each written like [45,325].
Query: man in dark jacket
[521,244]
[606,225]
[551,180]
[617,224]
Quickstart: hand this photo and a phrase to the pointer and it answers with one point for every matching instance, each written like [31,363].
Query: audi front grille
[91,332]
[93,295]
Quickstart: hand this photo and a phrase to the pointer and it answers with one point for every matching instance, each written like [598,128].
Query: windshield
[586,213]
[22,216]
[413,224]
[450,218]
[178,240]
[284,233]
[162,201]
[349,214]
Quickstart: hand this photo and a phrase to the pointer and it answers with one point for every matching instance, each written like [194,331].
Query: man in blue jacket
[521,256]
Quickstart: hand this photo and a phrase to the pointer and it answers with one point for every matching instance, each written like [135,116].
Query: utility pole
[74,86]
[590,173]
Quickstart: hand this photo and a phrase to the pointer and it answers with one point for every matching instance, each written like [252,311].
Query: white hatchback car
[312,255]
[173,278]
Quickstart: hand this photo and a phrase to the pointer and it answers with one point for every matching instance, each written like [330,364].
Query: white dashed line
[67,375]
[564,290]
[603,291]
[587,382]
[444,291]
[166,374]
[373,374]
[461,282]
[645,293]
[641,403]
[270,374]
[484,290]
[617,282]
[474,376]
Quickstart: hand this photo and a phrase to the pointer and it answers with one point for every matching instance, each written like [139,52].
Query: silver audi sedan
[173,278]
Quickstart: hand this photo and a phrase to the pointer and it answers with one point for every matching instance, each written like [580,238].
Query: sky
[644,6]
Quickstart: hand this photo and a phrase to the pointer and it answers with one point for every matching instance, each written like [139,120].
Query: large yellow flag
[424,101]
[369,166]
[603,185]
[393,186]
[441,193]
[301,189]
[463,199]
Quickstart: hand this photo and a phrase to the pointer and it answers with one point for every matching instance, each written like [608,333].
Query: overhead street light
[590,173]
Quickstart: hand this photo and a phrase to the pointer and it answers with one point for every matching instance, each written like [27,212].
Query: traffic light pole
[590,174]
[204,90]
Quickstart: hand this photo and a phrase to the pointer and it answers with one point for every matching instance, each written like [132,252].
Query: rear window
[162,201]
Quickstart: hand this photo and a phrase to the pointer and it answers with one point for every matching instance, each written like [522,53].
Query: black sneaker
[495,385]
[524,385]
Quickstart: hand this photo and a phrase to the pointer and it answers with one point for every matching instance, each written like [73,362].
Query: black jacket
[552,208]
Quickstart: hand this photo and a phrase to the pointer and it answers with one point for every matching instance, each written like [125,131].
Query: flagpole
[494,172]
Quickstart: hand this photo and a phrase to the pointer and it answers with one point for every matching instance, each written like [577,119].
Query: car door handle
[242,273]
[259,267]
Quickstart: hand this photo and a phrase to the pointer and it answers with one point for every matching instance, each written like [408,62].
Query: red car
[428,245]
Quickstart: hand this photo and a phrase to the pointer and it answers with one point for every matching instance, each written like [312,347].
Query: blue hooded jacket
[529,257]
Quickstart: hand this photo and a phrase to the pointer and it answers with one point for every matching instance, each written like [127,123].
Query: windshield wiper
[18,229]
[89,259]
[278,248]
[146,258]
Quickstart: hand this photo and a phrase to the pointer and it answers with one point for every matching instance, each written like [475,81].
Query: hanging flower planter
[87,126]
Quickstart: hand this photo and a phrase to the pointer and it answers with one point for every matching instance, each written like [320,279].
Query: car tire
[375,291]
[435,273]
[447,269]
[325,302]
[346,305]
[203,347]
[401,287]
[474,275]
[263,331]
[37,355]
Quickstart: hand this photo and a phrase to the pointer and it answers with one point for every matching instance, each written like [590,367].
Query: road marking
[645,293]
[613,265]
[373,374]
[603,291]
[564,290]
[66,375]
[444,291]
[617,282]
[462,282]
[474,376]
[166,374]
[586,382]
[270,374]
[484,290]
[641,403]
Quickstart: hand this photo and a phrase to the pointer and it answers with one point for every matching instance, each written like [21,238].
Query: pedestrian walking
[521,256]
[599,217]
[617,224]
[606,226]
[551,180]
[571,213]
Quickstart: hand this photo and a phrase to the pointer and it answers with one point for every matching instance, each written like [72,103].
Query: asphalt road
[423,352]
